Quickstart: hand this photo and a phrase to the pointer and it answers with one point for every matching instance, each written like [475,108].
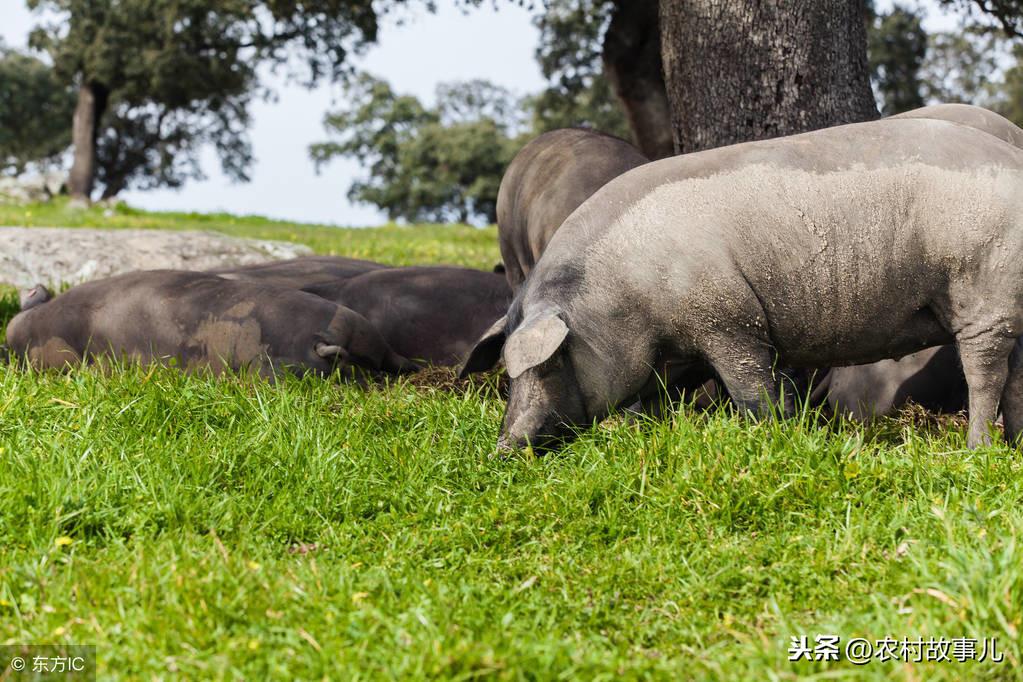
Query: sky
[413,54]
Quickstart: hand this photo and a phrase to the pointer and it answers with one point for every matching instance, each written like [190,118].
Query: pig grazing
[547,180]
[197,320]
[837,247]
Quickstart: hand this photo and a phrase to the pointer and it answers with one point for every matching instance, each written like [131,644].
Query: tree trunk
[632,65]
[92,102]
[112,189]
[737,70]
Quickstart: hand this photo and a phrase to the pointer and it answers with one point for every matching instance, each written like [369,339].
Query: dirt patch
[56,256]
[446,379]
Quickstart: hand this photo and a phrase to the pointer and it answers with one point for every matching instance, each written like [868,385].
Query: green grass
[447,244]
[228,528]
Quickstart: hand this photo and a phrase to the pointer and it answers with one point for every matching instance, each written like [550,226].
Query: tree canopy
[181,73]
[977,64]
[1005,15]
[569,54]
[426,164]
[897,47]
[35,109]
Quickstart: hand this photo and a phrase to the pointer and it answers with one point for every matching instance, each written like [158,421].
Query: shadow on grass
[9,307]
[911,422]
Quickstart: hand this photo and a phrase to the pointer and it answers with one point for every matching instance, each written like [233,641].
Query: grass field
[227,528]
[455,245]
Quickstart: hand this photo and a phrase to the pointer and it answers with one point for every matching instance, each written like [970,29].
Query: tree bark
[92,102]
[632,65]
[737,70]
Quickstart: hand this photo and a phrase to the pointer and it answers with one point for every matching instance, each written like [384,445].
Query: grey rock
[56,256]
[25,189]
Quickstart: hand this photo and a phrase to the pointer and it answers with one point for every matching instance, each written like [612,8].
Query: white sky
[414,56]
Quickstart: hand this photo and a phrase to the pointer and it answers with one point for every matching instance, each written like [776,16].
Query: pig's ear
[487,350]
[535,341]
[326,350]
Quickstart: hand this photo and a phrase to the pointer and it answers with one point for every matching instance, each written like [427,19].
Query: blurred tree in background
[1005,16]
[578,93]
[897,47]
[978,64]
[151,144]
[424,164]
[1010,103]
[35,108]
[962,66]
[602,59]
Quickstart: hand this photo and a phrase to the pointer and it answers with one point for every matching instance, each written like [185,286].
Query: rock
[56,256]
[32,188]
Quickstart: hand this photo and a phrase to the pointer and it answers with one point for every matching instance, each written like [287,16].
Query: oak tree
[156,63]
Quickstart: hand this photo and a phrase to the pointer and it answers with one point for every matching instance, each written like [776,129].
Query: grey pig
[836,247]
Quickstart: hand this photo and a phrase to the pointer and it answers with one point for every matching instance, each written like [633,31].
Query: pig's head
[559,380]
[37,295]
[545,400]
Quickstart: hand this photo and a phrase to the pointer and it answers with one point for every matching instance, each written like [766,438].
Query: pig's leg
[746,367]
[1012,396]
[985,361]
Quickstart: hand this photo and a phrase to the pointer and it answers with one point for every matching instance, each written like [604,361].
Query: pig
[836,247]
[432,314]
[305,271]
[932,378]
[547,180]
[972,116]
[195,320]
